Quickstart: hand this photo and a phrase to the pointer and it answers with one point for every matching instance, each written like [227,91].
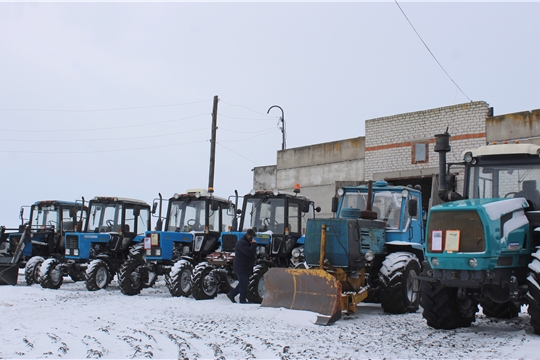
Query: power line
[99,151]
[237,153]
[423,42]
[103,110]
[245,107]
[105,128]
[112,139]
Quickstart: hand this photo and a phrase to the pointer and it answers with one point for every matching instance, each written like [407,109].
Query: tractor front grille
[469,224]
[72,242]
[228,242]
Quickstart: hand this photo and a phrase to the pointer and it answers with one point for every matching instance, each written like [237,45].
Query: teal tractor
[483,246]
[371,250]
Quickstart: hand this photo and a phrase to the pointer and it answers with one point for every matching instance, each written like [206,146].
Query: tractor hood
[477,234]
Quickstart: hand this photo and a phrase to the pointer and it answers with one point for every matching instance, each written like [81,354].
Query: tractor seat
[530,193]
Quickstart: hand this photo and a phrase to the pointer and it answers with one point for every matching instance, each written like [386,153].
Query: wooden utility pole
[213,146]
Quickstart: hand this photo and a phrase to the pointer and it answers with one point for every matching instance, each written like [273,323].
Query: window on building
[420,153]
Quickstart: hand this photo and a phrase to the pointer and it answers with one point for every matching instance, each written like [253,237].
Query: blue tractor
[279,220]
[48,223]
[96,253]
[483,246]
[371,250]
[193,225]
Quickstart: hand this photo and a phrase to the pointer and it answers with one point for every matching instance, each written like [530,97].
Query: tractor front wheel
[506,310]
[533,295]
[129,279]
[179,279]
[31,271]
[399,292]
[205,282]
[257,285]
[98,275]
[443,309]
[51,276]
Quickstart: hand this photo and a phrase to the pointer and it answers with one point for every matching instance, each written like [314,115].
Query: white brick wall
[389,140]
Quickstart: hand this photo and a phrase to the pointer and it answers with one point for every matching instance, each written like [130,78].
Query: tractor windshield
[386,204]
[188,215]
[105,217]
[505,180]
[45,216]
[265,214]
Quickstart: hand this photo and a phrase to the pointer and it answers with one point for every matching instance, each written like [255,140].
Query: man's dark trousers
[241,288]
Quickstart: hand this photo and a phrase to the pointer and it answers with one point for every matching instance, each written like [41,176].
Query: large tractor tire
[257,285]
[98,275]
[179,279]
[205,282]
[506,310]
[51,276]
[443,309]
[129,279]
[31,271]
[397,278]
[533,295]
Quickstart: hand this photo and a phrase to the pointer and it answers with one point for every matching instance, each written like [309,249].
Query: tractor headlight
[435,261]
[473,262]
[76,252]
[340,192]
[468,157]
[67,251]
[185,249]
[369,255]
[296,252]
[148,252]
[158,252]
[260,250]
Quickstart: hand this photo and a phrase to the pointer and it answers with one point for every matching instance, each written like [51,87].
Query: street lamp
[282,128]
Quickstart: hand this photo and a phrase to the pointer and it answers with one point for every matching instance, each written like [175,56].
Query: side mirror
[413,207]
[214,205]
[335,204]
[318,209]
[154,207]
[73,212]
[136,210]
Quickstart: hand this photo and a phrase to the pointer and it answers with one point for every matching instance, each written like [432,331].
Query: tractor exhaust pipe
[442,146]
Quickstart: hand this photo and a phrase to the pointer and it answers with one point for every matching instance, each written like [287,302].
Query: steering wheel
[191,222]
[51,223]
[109,223]
[267,222]
[511,193]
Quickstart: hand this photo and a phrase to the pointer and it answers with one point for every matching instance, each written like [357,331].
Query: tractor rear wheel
[443,309]
[51,276]
[98,275]
[179,279]
[31,271]
[397,277]
[533,295]
[506,310]
[205,282]
[129,279]
[257,286]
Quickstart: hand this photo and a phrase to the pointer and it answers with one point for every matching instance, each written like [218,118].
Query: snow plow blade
[9,271]
[304,289]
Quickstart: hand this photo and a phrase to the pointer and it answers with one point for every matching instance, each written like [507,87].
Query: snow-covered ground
[74,323]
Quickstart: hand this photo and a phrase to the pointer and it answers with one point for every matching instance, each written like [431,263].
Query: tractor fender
[398,246]
[137,252]
[189,259]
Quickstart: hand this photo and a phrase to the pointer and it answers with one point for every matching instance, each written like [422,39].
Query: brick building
[396,148]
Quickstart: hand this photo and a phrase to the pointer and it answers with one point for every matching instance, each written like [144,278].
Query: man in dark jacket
[244,259]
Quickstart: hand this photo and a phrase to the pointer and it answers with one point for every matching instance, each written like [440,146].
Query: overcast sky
[116,98]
